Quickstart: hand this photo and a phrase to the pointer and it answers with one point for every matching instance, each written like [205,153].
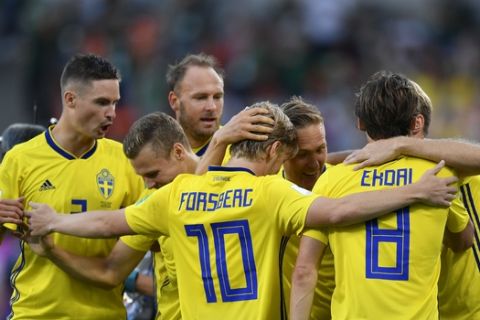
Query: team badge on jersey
[105,183]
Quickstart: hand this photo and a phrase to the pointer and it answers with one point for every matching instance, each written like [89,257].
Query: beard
[193,127]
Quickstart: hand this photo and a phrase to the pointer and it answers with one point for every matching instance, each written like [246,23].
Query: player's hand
[40,245]
[251,124]
[11,211]
[374,153]
[41,219]
[437,191]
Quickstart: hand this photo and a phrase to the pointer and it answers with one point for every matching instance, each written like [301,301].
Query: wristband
[130,283]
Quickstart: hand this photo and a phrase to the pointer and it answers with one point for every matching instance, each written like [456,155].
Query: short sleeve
[317,234]
[457,216]
[290,203]
[150,216]
[138,242]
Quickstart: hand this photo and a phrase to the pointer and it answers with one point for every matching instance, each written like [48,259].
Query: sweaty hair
[159,130]
[176,72]
[17,133]
[387,104]
[300,113]
[87,67]
[283,131]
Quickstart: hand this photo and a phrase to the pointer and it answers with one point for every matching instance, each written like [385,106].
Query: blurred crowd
[270,49]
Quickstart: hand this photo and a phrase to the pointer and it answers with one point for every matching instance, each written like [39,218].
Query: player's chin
[309,180]
[211,128]
[100,134]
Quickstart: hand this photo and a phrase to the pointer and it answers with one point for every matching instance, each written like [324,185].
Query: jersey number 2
[400,237]
[82,203]
[219,230]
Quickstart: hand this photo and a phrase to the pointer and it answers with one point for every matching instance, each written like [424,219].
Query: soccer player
[196,97]
[73,168]
[459,280]
[393,260]
[304,169]
[459,283]
[14,134]
[158,150]
[234,218]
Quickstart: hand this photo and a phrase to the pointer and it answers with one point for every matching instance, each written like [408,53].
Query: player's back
[459,283]
[226,227]
[387,267]
[43,172]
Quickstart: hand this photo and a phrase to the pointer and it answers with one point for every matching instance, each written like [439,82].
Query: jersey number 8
[400,237]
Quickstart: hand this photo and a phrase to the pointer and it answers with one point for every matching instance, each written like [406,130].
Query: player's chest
[75,186]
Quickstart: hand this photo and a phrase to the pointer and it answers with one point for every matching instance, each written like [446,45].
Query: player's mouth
[104,128]
[311,175]
[209,120]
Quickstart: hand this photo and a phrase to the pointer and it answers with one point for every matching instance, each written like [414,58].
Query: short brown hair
[283,131]
[158,129]
[301,113]
[176,72]
[387,104]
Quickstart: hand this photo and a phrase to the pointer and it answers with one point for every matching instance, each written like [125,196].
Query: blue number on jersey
[400,237]
[79,202]
[219,230]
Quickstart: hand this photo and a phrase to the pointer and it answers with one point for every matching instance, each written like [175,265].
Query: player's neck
[257,166]
[192,161]
[71,141]
[197,142]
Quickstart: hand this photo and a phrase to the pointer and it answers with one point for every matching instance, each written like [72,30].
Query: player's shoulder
[110,143]
[472,180]
[422,165]
[111,147]
[338,170]
[36,143]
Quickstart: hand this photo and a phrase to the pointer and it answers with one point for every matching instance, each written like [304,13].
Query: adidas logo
[47,185]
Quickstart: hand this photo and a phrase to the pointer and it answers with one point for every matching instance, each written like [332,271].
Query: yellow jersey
[388,268]
[228,226]
[101,179]
[459,283]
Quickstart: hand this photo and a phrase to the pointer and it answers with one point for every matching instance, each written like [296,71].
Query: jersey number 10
[219,230]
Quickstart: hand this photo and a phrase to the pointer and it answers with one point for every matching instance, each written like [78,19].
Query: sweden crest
[105,183]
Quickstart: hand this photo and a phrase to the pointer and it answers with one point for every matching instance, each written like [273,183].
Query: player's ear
[69,98]
[274,149]
[417,125]
[360,125]
[178,151]
[173,101]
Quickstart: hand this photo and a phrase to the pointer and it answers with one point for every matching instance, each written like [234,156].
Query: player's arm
[459,241]
[364,206]
[144,283]
[95,224]
[461,155]
[249,124]
[105,272]
[304,277]
[338,157]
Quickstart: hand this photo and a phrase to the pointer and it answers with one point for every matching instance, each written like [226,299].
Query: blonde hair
[283,131]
